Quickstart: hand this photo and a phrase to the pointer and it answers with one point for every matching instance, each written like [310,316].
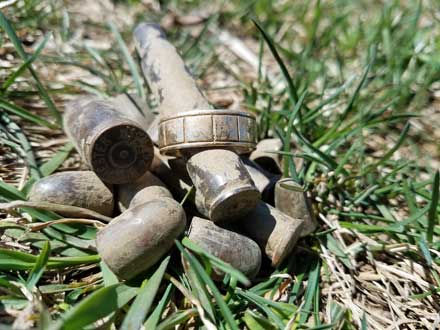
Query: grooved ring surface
[207,129]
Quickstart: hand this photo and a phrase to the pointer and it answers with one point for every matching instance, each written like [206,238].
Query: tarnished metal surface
[139,237]
[265,156]
[264,181]
[207,129]
[80,188]
[149,193]
[188,123]
[275,232]
[237,250]
[291,199]
[125,192]
[116,148]
[225,191]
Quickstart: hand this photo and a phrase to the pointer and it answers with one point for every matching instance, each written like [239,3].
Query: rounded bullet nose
[237,250]
[76,188]
[140,236]
[234,204]
[150,193]
[121,154]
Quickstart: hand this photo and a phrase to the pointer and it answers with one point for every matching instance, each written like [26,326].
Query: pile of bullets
[141,163]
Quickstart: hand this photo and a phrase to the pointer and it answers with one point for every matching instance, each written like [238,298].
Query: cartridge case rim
[130,171]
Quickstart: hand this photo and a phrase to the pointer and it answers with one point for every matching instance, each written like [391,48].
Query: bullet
[188,122]
[291,199]
[189,127]
[116,148]
[225,190]
[125,192]
[264,155]
[76,188]
[237,250]
[149,193]
[275,232]
[264,180]
[139,237]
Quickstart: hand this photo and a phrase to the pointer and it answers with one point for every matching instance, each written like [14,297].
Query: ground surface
[355,86]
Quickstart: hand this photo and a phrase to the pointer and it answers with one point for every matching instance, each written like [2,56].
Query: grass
[352,86]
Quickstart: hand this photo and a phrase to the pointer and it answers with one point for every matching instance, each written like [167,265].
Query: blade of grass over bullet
[131,64]
[432,215]
[220,264]
[154,318]
[6,25]
[142,304]
[224,309]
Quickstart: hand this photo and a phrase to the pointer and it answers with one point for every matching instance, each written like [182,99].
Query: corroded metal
[80,188]
[225,191]
[264,180]
[291,199]
[116,148]
[125,192]
[140,236]
[149,193]
[188,123]
[265,155]
[207,129]
[235,249]
[275,232]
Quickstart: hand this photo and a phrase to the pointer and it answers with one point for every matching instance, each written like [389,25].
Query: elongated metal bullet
[189,127]
[116,148]
[76,188]
[140,236]
[291,199]
[237,250]
[275,232]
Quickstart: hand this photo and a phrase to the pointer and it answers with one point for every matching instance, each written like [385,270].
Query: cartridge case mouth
[124,161]
[207,129]
[234,203]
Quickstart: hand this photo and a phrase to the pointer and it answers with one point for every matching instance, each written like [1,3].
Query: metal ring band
[208,129]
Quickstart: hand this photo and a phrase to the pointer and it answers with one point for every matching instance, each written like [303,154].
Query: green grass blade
[177,318]
[23,113]
[293,94]
[39,267]
[224,309]
[154,318]
[432,214]
[96,306]
[11,79]
[131,64]
[220,264]
[6,25]
[141,305]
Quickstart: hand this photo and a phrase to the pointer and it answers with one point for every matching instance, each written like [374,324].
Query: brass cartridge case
[116,148]
[275,232]
[225,190]
[291,199]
